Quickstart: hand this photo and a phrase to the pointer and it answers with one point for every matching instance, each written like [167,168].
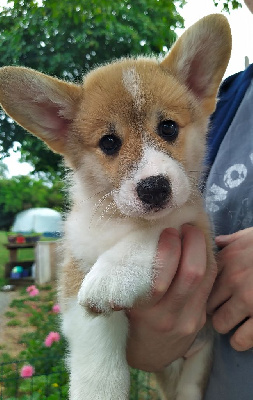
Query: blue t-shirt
[229,202]
[229,187]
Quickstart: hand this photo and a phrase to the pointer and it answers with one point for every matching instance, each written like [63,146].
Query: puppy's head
[135,128]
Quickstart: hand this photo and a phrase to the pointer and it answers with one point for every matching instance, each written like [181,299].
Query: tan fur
[69,281]
[224,36]
[53,89]
[108,101]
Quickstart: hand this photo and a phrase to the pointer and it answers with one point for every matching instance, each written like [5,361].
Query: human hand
[164,329]
[231,300]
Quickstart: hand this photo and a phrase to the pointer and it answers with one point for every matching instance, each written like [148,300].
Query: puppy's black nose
[154,190]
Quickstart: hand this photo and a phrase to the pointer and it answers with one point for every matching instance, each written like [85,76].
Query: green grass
[23,255]
[4,256]
[14,322]
[10,314]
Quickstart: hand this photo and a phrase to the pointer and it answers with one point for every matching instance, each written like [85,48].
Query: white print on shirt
[217,194]
[233,177]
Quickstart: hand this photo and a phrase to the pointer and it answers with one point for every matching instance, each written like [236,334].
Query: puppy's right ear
[43,105]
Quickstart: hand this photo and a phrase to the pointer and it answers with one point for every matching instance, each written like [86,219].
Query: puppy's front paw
[102,294]
[111,287]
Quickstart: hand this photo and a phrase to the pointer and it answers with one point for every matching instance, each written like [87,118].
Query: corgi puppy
[133,134]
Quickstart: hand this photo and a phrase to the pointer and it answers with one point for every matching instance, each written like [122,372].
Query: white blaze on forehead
[132,82]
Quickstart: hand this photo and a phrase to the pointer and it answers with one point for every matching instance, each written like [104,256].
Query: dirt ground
[10,335]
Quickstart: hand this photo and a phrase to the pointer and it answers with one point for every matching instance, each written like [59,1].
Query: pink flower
[34,292]
[27,371]
[51,338]
[30,288]
[56,308]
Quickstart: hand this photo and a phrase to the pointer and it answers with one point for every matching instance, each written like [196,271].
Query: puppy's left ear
[200,56]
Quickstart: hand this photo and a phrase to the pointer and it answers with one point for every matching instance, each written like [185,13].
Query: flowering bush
[41,362]
[56,308]
[32,290]
[51,338]
[27,371]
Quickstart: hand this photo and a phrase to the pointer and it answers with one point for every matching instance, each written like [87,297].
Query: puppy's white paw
[112,287]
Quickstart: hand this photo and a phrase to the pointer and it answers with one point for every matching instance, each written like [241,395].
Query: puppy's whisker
[111,209]
[94,195]
[105,216]
[100,202]
[96,208]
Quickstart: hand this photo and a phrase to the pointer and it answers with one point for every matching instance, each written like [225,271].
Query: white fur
[189,386]
[153,163]
[118,259]
[117,255]
[121,256]
[132,82]
[97,359]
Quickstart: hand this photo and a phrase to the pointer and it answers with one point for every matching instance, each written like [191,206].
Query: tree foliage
[228,5]
[23,192]
[67,38]
[3,169]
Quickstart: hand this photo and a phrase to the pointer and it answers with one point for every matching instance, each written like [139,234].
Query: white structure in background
[47,256]
[45,221]
[38,220]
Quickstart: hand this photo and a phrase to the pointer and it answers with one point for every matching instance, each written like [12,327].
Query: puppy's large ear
[43,105]
[200,56]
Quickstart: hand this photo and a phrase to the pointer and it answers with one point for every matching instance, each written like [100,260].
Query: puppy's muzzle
[154,191]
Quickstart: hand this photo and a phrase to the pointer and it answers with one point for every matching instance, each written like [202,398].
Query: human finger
[229,315]
[225,240]
[242,339]
[220,293]
[191,270]
[166,263]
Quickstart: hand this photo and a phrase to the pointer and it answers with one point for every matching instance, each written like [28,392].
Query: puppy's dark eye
[168,130]
[110,144]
